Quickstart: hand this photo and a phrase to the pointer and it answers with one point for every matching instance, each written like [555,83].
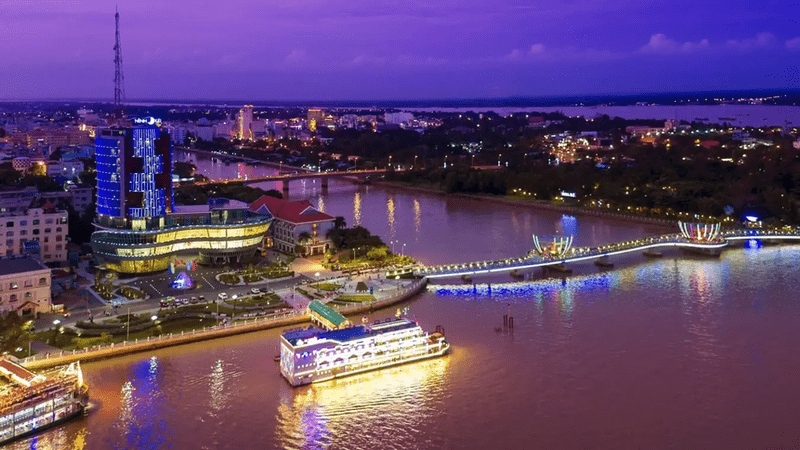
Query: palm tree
[339,223]
[303,239]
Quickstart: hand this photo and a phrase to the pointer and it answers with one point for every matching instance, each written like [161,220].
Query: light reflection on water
[379,409]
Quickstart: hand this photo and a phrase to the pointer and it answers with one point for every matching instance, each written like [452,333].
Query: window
[48,221]
[28,295]
[46,247]
[9,233]
[23,232]
[10,224]
[23,223]
[42,281]
[48,230]
[28,283]
[58,229]
[13,286]
[13,298]
[36,221]
[36,231]
[63,220]
[59,237]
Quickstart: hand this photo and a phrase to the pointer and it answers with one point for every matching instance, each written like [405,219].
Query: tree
[339,223]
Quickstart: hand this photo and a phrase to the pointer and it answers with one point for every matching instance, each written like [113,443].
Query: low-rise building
[45,226]
[296,223]
[24,286]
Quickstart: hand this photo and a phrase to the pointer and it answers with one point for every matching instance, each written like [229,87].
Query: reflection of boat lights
[316,413]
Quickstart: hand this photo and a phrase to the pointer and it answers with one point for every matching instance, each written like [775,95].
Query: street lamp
[499,157]
[390,160]
[415,161]
[403,251]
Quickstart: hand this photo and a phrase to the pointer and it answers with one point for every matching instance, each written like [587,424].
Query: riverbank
[43,361]
[536,204]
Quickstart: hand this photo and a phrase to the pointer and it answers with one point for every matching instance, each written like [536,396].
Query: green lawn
[270,299]
[355,298]
[229,278]
[331,287]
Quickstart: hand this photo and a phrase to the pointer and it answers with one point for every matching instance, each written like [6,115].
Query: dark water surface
[676,352]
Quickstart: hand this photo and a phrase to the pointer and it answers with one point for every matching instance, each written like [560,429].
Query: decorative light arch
[560,246]
[698,232]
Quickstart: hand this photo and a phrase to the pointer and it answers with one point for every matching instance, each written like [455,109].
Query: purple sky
[396,49]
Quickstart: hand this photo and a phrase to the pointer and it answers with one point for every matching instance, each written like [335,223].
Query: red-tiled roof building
[295,223]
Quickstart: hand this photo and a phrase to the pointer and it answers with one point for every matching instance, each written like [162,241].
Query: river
[672,352]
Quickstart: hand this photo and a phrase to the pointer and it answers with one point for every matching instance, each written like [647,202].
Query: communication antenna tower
[119,78]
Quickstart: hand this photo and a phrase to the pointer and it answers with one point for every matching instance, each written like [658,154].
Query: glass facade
[134,174]
[108,156]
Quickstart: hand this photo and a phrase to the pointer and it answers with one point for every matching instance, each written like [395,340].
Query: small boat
[516,275]
[466,278]
[652,253]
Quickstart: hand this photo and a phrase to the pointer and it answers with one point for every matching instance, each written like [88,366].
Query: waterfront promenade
[385,297]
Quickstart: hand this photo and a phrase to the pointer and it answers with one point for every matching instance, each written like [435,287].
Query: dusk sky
[403,49]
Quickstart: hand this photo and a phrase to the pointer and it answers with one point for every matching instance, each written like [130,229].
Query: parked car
[255,291]
[202,298]
[222,296]
[193,300]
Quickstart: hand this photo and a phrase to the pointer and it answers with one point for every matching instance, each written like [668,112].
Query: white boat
[313,355]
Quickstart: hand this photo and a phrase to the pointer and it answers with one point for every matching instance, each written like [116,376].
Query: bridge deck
[534,260]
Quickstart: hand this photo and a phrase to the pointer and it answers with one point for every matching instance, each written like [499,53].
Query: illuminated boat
[313,355]
[32,402]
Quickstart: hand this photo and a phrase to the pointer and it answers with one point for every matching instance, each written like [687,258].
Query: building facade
[24,286]
[45,228]
[296,223]
[244,123]
[134,175]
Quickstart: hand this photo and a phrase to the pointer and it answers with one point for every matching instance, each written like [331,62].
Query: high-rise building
[134,175]
[140,229]
[315,118]
[244,123]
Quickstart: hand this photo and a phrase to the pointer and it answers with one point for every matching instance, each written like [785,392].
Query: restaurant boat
[313,355]
[32,402]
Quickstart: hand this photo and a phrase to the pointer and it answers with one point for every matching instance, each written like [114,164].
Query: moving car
[255,291]
[222,296]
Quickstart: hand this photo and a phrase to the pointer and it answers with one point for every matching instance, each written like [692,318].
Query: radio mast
[119,78]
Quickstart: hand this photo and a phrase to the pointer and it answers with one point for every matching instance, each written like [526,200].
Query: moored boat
[313,355]
[32,402]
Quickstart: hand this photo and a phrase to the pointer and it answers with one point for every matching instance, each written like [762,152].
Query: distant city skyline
[335,50]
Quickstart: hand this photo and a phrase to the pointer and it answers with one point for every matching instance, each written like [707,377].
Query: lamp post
[403,251]
[499,157]
[472,162]
[128,326]
[390,161]
[415,161]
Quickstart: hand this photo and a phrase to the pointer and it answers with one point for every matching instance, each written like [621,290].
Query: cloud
[761,40]
[536,49]
[661,44]
[793,44]
[296,58]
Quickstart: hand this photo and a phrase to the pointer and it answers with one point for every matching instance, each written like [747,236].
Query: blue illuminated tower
[134,177]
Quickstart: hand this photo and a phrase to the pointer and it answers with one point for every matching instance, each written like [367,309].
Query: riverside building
[139,229]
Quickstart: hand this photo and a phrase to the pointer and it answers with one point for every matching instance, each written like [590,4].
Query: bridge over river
[703,239]
[300,175]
